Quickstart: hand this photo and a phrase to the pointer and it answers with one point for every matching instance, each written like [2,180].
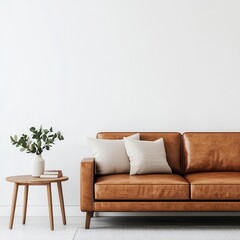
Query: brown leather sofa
[206,177]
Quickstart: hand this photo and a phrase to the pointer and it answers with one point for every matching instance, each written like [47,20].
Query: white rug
[153,229]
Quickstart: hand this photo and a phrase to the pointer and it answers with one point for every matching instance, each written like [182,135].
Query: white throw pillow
[110,155]
[147,156]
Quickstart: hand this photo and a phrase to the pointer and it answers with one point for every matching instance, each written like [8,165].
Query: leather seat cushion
[214,185]
[141,187]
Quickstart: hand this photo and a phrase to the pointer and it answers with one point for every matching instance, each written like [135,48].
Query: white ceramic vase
[38,166]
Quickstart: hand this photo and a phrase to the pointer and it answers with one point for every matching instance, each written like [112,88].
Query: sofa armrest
[87,171]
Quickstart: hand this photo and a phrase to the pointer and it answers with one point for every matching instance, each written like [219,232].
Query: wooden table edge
[34,180]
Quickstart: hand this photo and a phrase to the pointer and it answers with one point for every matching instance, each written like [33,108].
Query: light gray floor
[133,228]
[37,228]
[162,228]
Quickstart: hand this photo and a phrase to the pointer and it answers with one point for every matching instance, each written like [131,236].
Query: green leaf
[33,148]
[61,137]
[51,129]
[44,137]
[12,139]
[32,129]
[15,138]
[39,143]
[34,136]
[24,144]
[22,149]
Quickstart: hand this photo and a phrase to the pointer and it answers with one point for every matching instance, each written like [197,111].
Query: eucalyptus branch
[39,140]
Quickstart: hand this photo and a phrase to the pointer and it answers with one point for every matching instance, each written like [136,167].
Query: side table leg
[25,200]
[60,193]
[49,192]
[14,201]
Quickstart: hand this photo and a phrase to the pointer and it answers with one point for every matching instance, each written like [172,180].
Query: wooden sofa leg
[88,219]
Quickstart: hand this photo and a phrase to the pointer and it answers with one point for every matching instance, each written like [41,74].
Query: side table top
[28,179]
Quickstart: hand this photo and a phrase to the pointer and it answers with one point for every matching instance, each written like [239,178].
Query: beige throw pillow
[146,156]
[110,155]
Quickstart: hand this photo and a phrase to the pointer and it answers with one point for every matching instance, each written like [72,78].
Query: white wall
[89,66]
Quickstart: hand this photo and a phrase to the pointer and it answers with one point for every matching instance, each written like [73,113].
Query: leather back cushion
[172,143]
[208,152]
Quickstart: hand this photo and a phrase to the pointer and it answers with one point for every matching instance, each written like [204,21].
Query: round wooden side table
[26,181]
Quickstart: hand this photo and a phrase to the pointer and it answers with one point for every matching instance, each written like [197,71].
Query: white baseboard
[74,211]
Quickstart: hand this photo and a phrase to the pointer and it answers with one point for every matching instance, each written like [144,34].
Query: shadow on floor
[158,221]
